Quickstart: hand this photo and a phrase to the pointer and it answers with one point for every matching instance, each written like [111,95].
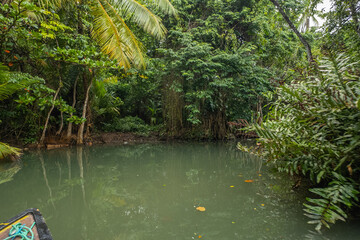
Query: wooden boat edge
[42,229]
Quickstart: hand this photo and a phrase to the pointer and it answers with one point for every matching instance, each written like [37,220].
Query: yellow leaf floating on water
[248,181]
[232,186]
[262,204]
[200,236]
[201,209]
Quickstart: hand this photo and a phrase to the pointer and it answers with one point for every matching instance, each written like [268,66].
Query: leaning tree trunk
[298,34]
[49,114]
[69,129]
[80,136]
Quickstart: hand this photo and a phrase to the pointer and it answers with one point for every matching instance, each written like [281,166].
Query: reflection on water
[150,191]
[7,171]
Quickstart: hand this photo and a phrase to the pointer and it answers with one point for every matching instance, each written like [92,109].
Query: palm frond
[7,88]
[11,83]
[309,14]
[166,7]
[114,36]
[55,4]
[4,73]
[141,16]
[6,150]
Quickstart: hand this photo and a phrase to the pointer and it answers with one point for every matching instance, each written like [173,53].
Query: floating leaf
[201,209]
[249,181]
[232,186]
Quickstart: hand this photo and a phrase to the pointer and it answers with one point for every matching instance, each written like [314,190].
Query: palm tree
[114,36]
[112,33]
[295,30]
[308,15]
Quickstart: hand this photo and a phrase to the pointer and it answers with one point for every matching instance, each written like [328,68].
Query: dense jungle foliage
[217,60]
[312,127]
[69,69]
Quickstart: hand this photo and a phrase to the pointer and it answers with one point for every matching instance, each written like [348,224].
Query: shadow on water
[150,191]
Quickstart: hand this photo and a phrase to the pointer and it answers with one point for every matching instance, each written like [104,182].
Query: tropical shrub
[127,124]
[25,113]
[313,130]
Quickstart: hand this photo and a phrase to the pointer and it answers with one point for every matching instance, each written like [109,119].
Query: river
[153,191]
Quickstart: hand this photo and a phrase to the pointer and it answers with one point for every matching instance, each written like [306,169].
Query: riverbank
[54,142]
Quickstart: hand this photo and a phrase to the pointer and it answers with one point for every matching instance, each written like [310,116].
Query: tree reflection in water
[150,191]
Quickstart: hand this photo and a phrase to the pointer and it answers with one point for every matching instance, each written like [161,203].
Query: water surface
[151,191]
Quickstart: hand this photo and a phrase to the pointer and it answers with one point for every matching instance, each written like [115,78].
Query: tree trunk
[307,24]
[88,121]
[259,111]
[69,129]
[80,136]
[61,124]
[298,34]
[49,114]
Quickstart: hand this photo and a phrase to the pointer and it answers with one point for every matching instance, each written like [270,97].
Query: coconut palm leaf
[141,16]
[114,36]
[6,150]
[111,32]
[166,7]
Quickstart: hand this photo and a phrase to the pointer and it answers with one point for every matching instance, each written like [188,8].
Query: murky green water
[150,192]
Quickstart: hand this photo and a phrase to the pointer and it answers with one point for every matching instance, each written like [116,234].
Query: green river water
[151,191]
